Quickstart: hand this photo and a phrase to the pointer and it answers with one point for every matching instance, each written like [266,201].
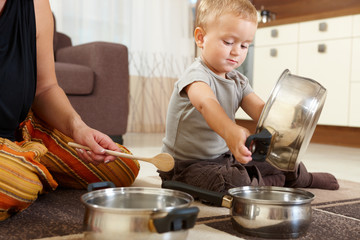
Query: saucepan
[137,213]
[267,212]
[287,122]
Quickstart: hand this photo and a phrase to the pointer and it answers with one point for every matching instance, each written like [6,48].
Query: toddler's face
[225,43]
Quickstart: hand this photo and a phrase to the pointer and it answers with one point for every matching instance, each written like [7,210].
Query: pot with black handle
[287,122]
[267,212]
[137,213]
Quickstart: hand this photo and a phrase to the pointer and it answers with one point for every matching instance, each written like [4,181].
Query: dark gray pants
[225,172]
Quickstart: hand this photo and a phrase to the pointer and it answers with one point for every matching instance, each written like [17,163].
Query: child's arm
[253,106]
[205,101]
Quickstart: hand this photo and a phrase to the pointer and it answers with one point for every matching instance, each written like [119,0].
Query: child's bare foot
[324,181]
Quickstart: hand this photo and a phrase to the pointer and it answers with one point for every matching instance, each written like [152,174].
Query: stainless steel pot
[268,212]
[137,213]
[287,121]
[271,212]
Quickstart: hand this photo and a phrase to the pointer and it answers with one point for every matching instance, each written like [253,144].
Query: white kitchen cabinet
[330,28]
[325,56]
[355,62]
[354,119]
[275,50]
[354,112]
[326,50]
[330,66]
[269,63]
[277,35]
[356,26]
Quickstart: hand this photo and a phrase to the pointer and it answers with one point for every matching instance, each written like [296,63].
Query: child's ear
[199,34]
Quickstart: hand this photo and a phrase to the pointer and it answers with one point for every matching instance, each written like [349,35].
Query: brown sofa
[95,77]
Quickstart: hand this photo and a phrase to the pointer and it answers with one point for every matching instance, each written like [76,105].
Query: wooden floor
[334,135]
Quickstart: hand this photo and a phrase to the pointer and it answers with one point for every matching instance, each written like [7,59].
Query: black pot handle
[100,185]
[259,145]
[212,197]
[177,219]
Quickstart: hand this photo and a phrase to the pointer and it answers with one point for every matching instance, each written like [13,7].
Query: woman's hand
[97,142]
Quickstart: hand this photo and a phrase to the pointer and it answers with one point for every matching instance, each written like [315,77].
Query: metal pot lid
[290,115]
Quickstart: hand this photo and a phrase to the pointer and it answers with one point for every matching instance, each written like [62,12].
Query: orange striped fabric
[44,160]
[65,166]
[22,176]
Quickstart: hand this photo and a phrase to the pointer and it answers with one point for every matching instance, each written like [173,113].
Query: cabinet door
[277,35]
[356,26]
[269,63]
[328,63]
[355,63]
[354,116]
[330,28]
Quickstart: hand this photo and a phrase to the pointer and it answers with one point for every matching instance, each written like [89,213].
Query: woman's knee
[67,168]
[19,184]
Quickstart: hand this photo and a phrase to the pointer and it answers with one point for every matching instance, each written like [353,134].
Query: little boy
[201,133]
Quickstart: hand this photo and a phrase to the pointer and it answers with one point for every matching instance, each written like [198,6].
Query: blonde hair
[212,9]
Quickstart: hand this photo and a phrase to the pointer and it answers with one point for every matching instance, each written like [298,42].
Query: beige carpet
[336,215]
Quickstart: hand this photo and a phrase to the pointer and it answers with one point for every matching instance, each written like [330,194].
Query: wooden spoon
[163,161]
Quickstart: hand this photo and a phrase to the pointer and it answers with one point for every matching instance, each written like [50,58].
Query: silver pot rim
[256,194]
[118,191]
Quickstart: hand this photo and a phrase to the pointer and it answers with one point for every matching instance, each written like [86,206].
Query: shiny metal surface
[271,212]
[291,114]
[125,213]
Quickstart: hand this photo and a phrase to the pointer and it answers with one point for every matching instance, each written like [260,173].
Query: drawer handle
[322,48]
[273,52]
[274,33]
[323,27]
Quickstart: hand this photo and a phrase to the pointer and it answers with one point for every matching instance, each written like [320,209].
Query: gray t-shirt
[188,136]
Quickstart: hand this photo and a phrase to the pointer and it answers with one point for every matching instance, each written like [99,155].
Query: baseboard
[118,139]
[333,135]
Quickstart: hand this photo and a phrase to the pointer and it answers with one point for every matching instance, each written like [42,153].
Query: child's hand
[236,143]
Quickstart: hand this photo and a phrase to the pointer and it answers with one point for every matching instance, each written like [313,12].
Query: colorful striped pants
[43,160]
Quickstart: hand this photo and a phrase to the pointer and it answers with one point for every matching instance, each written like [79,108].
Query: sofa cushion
[75,79]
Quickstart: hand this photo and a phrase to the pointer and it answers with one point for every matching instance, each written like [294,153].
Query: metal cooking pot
[267,212]
[287,121]
[137,213]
